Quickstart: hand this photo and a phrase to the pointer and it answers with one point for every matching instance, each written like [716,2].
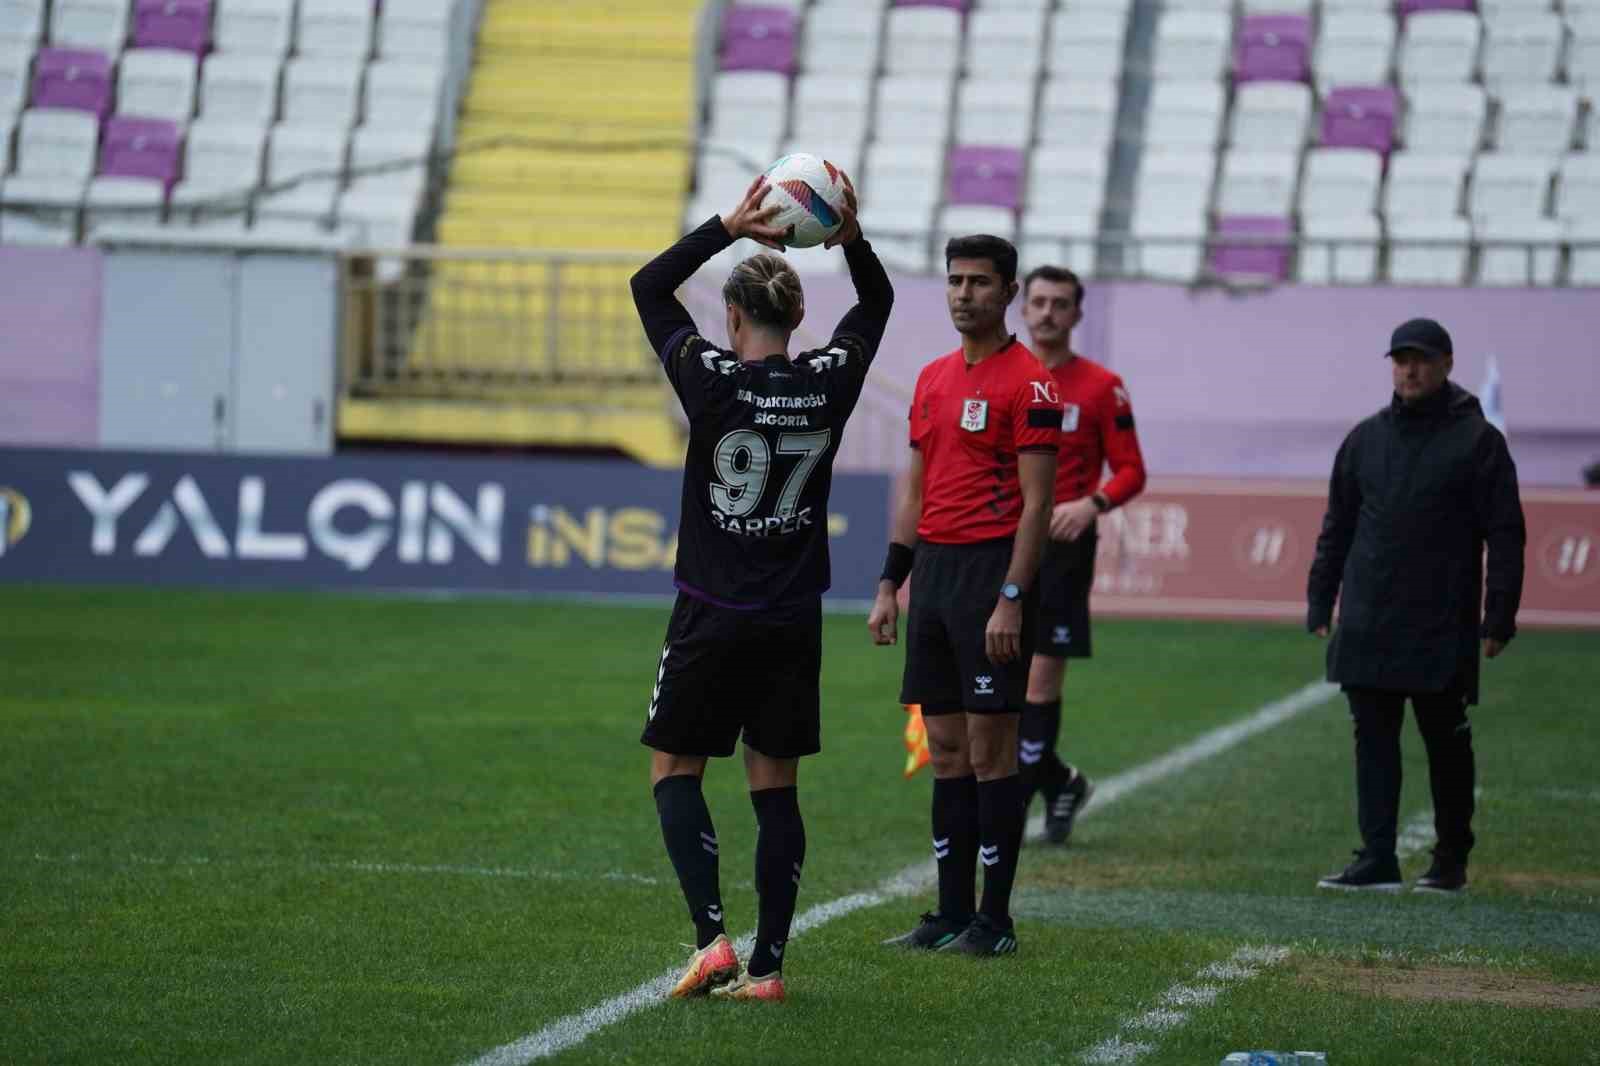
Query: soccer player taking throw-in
[985,423]
[743,651]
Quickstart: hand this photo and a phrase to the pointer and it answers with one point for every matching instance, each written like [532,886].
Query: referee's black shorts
[727,672]
[954,589]
[1066,576]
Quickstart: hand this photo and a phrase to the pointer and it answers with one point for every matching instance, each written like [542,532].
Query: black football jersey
[763,435]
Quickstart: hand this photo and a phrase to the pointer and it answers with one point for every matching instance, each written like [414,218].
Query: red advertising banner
[1242,549]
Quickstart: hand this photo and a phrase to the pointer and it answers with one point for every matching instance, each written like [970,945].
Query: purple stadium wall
[50,346]
[1267,383]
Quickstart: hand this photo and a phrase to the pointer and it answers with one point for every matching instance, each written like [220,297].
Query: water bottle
[1276,1058]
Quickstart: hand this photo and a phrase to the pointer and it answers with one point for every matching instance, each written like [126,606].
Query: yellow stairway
[575,136]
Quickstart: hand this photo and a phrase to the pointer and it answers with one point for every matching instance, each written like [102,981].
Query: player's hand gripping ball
[813,196]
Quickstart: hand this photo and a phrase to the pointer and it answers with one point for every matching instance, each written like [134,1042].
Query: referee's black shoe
[1068,804]
[933,932]
[1369,873]
[983,940]
[1446,876]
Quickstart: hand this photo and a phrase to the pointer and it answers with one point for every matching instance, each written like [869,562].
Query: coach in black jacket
[1417,490]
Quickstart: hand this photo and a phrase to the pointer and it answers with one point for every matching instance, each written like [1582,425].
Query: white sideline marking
[360,866]
[1122,1048]
[573,1029]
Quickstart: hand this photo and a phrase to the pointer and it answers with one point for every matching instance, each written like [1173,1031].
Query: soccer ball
[811,190]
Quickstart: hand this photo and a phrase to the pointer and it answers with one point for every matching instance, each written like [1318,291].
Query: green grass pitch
[286,828]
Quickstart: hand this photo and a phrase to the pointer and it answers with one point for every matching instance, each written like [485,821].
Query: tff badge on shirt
[1069,418]
[974,415]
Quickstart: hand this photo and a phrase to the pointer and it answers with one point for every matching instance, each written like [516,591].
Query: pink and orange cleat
[711,966]
[744,986]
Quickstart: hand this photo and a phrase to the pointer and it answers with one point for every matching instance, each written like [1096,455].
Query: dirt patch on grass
[1545,884]
[1446,984]
[1098,872]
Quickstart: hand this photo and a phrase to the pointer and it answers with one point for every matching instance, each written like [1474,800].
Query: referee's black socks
[692,847]
[780,853]
[1000,816]
[1040,767]
[955,843]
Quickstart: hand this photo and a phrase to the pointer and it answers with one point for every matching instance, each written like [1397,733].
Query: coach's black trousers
[1442,720]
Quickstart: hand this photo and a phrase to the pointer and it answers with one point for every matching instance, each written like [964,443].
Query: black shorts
[1066,575]
[954,589]
[725,672]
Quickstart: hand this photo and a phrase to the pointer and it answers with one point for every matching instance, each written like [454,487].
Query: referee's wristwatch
[1102,502]
[1010,591]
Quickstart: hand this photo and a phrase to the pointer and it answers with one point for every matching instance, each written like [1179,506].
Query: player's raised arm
[655,285]
[874,293]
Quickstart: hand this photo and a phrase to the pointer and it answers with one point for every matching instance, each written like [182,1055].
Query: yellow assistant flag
[916,739]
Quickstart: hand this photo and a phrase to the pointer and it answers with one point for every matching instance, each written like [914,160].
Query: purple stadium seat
[72,78]
[1273,48]
[142,148]
[1255,259]
[981,175]
[184,25]
[1359,117]
[1411,7]
[758,38]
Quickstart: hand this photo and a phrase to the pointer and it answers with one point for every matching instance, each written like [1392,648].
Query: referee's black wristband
[897,567]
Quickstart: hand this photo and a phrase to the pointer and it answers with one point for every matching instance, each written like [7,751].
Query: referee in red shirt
[1096,428]
[985,422]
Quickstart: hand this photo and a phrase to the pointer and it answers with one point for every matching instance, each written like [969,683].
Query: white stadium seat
[1004,43]
[295,152]
[380,150]
[1423,186]
[746,104]
[841,39]
[1509,186]
[1339,182]
[1269,114]
[321,90]
[240,88]
[254,27]
[1167,245]
[1584,236]
[112,200]
[98,24]
[1341,6]
[1086,44]
[1428,251]
[963,220]
[922,40]
[16,63]
[726,169]
[1066,181]
[53,207]
[913,108]
[1192,44]
[1537,119]
[1440,46]
[22,21]
[815,261]
[415,29]
[404,92]
[830,106]
[1445,118]
[1059,237]
[1522,49]
[994,111]
[904,175]
[1277,7]
[1258,182]
[157,83]
[1578,186]
[1583,54]
[8,125]
[1339,249]
[54,143]
[1184,115]
[220,158]
[1354,48]
[1077,113]
[1172,183]
[901,235]
[335,28]
[1496,10]
[1532,258]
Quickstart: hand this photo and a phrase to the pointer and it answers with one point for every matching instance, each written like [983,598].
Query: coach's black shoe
[1059,816]
[1369,873]
[933,932]
[1447,876]
[982,940]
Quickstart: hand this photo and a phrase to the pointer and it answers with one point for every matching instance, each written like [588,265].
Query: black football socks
[780,854]
[1000,816]
[692,847]
[1038,764]
[955,843]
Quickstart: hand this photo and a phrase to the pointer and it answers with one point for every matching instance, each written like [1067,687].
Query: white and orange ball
[811,192]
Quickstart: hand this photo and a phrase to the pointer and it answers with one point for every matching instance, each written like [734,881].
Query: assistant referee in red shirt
[985,422]
[1096,429]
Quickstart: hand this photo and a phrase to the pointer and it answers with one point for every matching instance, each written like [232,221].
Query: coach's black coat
[1416,493]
